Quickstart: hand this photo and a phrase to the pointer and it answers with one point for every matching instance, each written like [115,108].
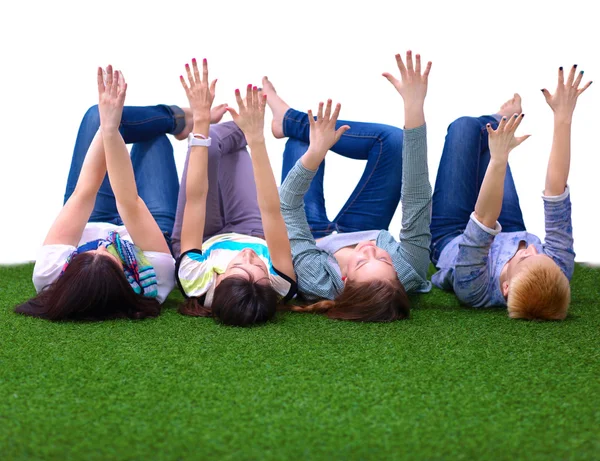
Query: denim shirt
[471,264]
[318,272]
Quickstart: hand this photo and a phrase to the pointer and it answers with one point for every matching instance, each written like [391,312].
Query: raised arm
[501,142]
[201,96]
[74,215]
[415,237]
[140,224]
[562,103]
[251,119]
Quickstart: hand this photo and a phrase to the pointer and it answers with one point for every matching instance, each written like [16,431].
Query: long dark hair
[376,301]
[92,287]
[237,301]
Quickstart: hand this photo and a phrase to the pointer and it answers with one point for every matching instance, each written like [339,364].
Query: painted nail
[515,116]
[522,115]
[187,66]
[574,66]
[581,72]
[237,90]
[204,60]
[194,60]
[542,91]
[560,68]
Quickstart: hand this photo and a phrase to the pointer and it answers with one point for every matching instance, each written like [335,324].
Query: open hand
[412,85]
[200,95]
[563,101]
[323,134]
[111,97]
[251,116]
[502,140]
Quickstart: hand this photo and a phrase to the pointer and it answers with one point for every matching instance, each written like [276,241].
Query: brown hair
[237,301]
[540,293]
[92,287]
[375,301]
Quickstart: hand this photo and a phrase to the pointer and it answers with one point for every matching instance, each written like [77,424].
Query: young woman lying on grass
[106,255]
[234,259]
[479,244]
[356,270]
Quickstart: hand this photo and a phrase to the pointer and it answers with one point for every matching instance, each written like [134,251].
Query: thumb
[546,94]
[232,112]
[340,131]
[521,139]
[393,80]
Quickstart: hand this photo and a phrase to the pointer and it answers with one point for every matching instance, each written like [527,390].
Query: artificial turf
[450,383]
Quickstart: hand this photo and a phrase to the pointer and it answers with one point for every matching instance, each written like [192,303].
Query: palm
[111,97]
[412,84]
[200,95]
[323,133]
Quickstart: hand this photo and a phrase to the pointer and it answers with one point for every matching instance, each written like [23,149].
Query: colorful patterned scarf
[139,272]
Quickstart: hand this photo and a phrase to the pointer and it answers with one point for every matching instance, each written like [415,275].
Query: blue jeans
[374,200]
[461,171]
[151,156]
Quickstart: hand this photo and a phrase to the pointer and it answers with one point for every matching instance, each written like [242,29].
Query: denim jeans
[152,159]
[460,174]
[375,198]
[231,203]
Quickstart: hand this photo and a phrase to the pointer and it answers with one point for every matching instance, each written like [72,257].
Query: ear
[505,289]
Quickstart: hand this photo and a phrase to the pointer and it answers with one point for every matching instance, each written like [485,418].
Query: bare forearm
[489,201]
[414,115]
[120,170]
[560,158]
[92,171]
[197,171]
[266,187]
[312,160]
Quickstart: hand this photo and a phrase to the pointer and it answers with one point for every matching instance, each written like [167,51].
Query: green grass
[450,384]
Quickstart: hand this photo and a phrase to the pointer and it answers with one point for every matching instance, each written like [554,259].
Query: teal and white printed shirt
[197,269]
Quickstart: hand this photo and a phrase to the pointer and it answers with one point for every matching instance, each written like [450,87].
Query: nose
[247,254]
[369,251]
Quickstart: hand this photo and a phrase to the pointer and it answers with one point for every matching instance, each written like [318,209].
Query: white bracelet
[194,141]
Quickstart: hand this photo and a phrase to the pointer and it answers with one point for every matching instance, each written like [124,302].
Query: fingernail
[187,66]
[194,60]
[237,90]
[259,88]
[516,115]
[560,68]
[204,60]
[574,66]
[542,91]
[254,88]
[522,115]
[581,72]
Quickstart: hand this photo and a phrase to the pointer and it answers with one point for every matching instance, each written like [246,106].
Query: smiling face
[247,264]
[368,262]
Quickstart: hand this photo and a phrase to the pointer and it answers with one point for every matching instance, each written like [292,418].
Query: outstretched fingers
[401,66]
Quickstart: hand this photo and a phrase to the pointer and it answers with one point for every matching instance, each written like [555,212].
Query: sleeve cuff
[557,198]
[489,230]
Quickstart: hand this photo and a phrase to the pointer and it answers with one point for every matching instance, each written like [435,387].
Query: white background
[482,53]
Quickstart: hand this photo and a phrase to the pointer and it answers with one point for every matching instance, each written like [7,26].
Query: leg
[137,124]
[157,180]
[373,202]
[461,171]
[314,200]
[226,138]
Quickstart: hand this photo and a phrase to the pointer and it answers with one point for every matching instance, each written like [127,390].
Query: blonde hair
[540,293]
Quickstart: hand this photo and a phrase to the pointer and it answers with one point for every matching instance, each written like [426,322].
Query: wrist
[255,141]
[109,130]
[499,163]
[562,119]
[201,127]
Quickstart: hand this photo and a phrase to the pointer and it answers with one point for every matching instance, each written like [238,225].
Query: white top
[51,259]
[197,269]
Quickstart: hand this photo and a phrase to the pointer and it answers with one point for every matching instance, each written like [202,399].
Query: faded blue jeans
[375,198]
[151,156]
[460,174]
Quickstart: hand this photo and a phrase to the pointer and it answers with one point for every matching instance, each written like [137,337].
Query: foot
[510,107]
[216,114]
[277,105]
